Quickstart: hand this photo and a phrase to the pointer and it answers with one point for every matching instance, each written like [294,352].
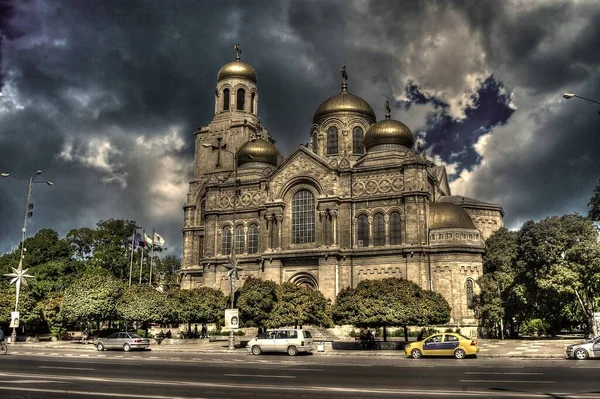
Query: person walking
[204,330]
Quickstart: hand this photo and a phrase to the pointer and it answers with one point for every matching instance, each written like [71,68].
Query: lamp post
[568,96]
[233,272]
[19,275]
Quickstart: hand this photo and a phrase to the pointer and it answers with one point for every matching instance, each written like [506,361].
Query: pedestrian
[204,330]
[363,339]
[370,339]
[420,336]
[168,335]
[196,331]
[85,335]
[1,335]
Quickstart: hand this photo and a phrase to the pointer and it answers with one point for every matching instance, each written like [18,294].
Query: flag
[138,242]
[158,240]
[147,240]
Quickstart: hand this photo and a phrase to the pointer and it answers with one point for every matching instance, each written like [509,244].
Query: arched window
[315,144]
[470,293]
[332,140]
[395,228]
[363,231]
[303,217]
[241,94]
[252,102]
[357,140]
[226,241]
[378,230]
[226,100]
[253,239]
[239,240]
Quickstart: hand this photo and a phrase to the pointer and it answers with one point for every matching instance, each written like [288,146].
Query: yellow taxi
[443,344]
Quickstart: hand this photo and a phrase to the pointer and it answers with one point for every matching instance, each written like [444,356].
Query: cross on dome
[238,51]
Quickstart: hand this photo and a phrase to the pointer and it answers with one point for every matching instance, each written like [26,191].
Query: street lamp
[19,275]
[568,96]
[233,272]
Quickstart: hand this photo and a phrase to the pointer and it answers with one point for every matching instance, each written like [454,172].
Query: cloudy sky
[104,96]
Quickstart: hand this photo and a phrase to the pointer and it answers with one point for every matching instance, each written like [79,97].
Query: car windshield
[134,335]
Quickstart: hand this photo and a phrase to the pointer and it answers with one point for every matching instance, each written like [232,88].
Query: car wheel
[581,354]
[126,347]
[459,354]
[256,350]
[292,351]
[416,354]
[99,346]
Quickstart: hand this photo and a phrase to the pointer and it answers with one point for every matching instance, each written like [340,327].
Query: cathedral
[358,202]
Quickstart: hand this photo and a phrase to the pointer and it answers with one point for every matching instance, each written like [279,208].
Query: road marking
[259,376]
[499,373]
[506,382]
[66,368]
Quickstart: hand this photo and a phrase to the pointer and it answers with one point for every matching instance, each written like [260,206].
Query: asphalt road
[40,373]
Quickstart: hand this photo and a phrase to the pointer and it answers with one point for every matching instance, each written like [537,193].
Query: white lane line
[506,382]
[259,376]
[66,368]
[500,373]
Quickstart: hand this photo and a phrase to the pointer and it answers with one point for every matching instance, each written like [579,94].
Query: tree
[112,247]
[298,305]
[202,305]
[53,316]
[92,297]
[594,204]
[142,303]
[167,273]
[502,299]
[256,300]
[390,302]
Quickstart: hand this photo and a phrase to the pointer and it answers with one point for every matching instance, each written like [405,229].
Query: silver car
[286,340]
[122,340]
[584,350]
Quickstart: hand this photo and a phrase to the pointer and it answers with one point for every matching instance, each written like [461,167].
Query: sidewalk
[489,348]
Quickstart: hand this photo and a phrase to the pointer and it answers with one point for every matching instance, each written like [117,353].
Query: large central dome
[444,215]
[344,102]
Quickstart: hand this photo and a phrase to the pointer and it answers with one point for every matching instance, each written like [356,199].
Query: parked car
[443,344]
[284,340]
[584,350]
[122,340]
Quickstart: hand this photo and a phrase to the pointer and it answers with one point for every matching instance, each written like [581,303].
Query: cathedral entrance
[306,280]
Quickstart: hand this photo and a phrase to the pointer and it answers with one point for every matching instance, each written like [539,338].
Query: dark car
[122,340]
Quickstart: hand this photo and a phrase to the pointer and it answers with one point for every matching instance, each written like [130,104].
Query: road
[44,373]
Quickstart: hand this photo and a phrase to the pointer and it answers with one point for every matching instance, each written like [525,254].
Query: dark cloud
[104,96]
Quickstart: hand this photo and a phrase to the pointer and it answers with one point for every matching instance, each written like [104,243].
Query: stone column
[245,240]
[324,227]
[386,223]
[370,219]
[279,220]
[270,228]
[334,232]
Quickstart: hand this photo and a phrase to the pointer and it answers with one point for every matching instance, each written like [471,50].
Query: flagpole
[131,262]
[142,257]
[152,256]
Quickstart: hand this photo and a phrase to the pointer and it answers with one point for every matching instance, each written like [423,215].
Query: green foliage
[52,312]
[142,303]
[256,300]
[167,273]
[389,302]
[297,306]
[534,327]
[200,305]
[92,297]
[594,204]
[549,270]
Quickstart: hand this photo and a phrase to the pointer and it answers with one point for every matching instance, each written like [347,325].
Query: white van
[288,340]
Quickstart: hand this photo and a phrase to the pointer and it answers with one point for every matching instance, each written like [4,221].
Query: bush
[225,333]
[534,327]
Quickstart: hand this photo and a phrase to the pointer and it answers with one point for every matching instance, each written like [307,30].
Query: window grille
[363,230]
[239,240]
[252,239]
[332,140]
[226,241]
[226,100]
[357,141]
[378,230]
[303,217]
[395,229]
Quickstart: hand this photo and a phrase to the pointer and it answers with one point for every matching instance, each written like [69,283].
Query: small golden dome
[389,131]
[259,150]
[445,215]
[344,102]
[237,69]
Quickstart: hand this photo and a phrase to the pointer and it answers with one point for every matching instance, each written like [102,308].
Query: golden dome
[259,150]
[344,102]
[237,69]
[445,215]
[389,131]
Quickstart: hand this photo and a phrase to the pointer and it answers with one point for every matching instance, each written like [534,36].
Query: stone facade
[332,213]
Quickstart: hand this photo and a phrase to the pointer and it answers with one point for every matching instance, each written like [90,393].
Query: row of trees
[547,274]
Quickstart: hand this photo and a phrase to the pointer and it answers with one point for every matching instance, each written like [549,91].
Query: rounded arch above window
[305,279]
